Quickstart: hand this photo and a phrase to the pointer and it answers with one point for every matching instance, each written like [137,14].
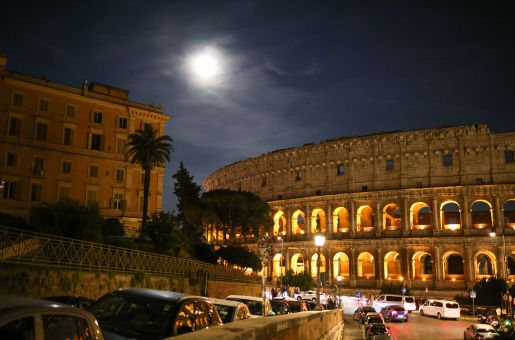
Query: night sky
[289,72]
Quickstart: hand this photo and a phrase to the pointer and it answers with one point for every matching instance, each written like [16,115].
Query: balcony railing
[42,250]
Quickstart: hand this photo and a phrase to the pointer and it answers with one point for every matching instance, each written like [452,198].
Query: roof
[155,294]
[245,297]
[13,303]
[224,302]
[483,326]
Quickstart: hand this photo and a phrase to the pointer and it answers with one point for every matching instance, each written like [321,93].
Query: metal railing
[48,251]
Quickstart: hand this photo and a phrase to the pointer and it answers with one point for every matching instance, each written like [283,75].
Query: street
[417,327]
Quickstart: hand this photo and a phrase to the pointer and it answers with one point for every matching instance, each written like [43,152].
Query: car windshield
[368,309]
[394,298]
[484,330]
[226,313]
[452,305]
[255,307]
[375,320]
[134,317]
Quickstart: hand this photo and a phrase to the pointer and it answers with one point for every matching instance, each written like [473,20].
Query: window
[70,111]
[41,131]
[93,171]
[35,192]
[66,167]
[185,319]
[63,193]
[11,159]
[39,166]
[9,190]
[44,105]
[122,122]
[91,196]
[96,142]
[97,117]
[447,160]
[508,156]
[120,145]
[118,201]
[68,136]
[340,170]
[389,165]
[14,126]
[298,175]
[119,175]
[66,327]
[18,99]
[22,328]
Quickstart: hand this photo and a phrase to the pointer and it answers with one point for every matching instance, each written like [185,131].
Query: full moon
[206,66]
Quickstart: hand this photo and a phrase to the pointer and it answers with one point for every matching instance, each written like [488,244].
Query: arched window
[341,265]
[279,223]
[297,263]
[391,217]
[450,215]
[455,264]
[318,221]
[340,220]
[366,268]
[509,214]
[481,215]
[365,218]
[314,267]
[297,223]
[420,216]
[392,266]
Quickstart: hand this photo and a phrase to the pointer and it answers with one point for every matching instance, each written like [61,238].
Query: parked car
[74,300]
[394,312]
[231,310]
[372,319]
[408,302]
[280,307]
[377,330]
[311,295]
[297,306]
[441,309]
[24,318]
[255,304]
[479,331]
[361,313]
[152,314]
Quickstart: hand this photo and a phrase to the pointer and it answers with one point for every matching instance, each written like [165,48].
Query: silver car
[24,318]
[231,310]
[479,331]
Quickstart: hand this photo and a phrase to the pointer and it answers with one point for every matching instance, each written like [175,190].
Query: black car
[152,314]
[74,300]
[394,312]
[280,307]
[361,313]
[377,329]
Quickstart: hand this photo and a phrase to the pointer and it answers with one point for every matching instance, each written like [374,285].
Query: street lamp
[279,238]
[340,279]
[319,242]
[504,276]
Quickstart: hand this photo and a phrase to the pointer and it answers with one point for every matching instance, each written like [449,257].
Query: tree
[490,291]
[302,280]
[148,150]
[68,218]
[241,257]
[164,230]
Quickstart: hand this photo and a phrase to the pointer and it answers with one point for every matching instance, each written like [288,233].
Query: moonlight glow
[206,66]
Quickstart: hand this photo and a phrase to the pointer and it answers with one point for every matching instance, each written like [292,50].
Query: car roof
[224,302]
[373,314]
[13,303]
[156,294]
[244,297]
[483,326]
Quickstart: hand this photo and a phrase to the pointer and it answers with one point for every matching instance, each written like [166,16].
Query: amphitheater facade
[432,210]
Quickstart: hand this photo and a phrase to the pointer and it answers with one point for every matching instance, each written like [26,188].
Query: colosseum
[432,210]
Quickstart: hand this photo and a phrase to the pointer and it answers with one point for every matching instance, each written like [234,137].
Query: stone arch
[510,268]
[298,223]
[420,216]
[314,267]
[279,223]
[366,267]
[365,218]
[278,265]
[450,215]
[508,213]
[341,265]
[341,220]
[391,217]
[481,214]
[392,266]
[318,222]
[422,265]
[297,263]
[454,265]
[484,264]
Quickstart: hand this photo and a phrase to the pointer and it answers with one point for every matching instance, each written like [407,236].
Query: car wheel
[421,312]
[439,316]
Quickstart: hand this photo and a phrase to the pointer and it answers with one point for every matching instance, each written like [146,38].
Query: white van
[408,302]
[441,309]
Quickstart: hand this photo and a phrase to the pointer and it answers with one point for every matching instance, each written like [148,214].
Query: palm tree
[148,150]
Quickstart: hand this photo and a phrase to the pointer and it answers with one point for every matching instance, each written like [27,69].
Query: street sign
[472,294]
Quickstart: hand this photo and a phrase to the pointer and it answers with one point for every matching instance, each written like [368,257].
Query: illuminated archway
[278,265]
[392,266]
[340,220]
[453,265]
[297,263]
[279,223]
[391,217]
[508,209]
[450,215]
[420,216]
[366,267]
[318,223]
[314,264]
[484,264]
[422,266]
[481,214]
[298,223]
[365,218]
[341,265]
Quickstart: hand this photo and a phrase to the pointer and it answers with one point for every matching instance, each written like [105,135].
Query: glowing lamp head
[319,240]
[339,278]
[492,234]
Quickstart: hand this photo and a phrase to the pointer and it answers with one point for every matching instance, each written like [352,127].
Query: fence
[48,251]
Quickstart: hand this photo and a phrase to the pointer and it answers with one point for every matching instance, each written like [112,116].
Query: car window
[452,305]
[394,298]
[409,299]
[202,318]
[438,304]
[185,320]
[426,303]
[243,313]
[226,313]
[66,327]
[214,317]
[22,329]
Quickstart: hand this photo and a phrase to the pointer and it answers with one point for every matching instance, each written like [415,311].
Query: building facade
[60,141]
[430,209]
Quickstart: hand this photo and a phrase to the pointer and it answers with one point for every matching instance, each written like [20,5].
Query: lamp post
[504,272]
[339,278]
[279,238]
[319,242]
